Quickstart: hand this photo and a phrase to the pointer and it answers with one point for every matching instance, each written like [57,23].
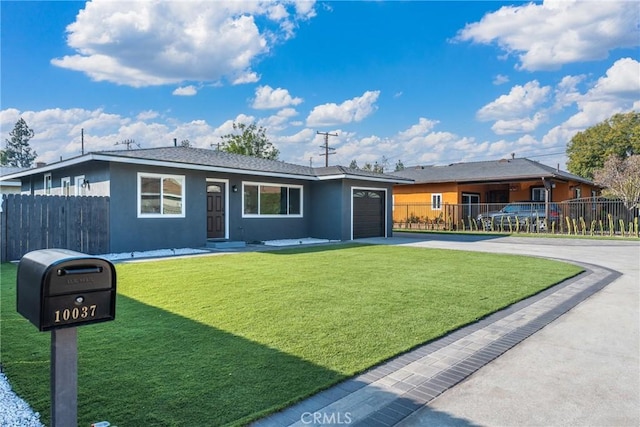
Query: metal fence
[29,223]
[588,216]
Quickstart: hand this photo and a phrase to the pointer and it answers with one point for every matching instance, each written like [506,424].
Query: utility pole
[327,150]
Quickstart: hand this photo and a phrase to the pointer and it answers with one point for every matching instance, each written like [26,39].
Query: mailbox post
[58,290]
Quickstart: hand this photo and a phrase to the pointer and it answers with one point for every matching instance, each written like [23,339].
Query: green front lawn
[225,339]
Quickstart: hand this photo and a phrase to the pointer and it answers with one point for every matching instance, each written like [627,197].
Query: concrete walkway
[568,356]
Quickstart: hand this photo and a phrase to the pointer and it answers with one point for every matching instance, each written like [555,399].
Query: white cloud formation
[520,101]
[423,127]
[267,98]
[278,121]
[615,92]
[558,32]
[351,110]
[145,43]
[185,91]
[500,79]
[520,125]
[147,115]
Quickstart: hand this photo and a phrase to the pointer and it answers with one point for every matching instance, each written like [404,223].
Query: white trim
[273,184]
[226,202]
[47,186]
[78,190]
[67,180]
[439,203]
[386,214]
[161,176]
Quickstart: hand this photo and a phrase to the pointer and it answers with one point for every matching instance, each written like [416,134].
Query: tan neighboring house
[495,182]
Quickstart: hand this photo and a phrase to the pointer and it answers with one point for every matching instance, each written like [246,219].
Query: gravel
[15,412]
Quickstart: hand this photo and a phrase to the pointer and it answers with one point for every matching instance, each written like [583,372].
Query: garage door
[368,214]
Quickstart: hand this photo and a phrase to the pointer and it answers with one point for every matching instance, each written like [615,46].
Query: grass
[226,339]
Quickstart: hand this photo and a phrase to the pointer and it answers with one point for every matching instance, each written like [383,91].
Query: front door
[215,210]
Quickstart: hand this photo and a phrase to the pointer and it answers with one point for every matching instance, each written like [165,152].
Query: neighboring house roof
[5,184]
[520,169]
[8,170]
[220,161]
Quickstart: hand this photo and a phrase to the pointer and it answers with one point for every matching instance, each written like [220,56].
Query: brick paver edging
[393,390]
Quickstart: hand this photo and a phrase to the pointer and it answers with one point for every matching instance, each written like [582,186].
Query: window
[271,200]
[65,185]
[578,192]
[436,201]
[47,184]
[538,194]
[160,195]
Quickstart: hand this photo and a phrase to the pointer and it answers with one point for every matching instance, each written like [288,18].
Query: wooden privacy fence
[29,223]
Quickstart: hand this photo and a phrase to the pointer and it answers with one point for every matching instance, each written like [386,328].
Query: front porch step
[225,244]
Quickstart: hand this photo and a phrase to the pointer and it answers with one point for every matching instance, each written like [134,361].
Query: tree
[399,166]
[621,179]
[251,141]
[354,165]
[185,143]
[376,167]
[17,151]
[619,135]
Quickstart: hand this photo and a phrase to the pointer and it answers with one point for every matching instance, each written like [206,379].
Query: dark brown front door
[215,211]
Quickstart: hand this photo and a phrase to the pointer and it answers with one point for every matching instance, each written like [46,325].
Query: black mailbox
[59,288]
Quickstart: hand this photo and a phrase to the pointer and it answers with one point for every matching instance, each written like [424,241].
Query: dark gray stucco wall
[328,211]
[130,233]
[97,173]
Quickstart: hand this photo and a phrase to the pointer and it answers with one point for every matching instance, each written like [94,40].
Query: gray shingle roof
[248,164]
[213,158]
[495,170]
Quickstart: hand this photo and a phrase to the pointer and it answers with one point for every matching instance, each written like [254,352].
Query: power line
[327,150]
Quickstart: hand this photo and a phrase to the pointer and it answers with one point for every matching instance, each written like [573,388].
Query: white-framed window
[160,196]
[538,194]
[436,201]
[47,184]
[271,200]
[65,186]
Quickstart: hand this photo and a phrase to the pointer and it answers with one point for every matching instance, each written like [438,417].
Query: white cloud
[500,79]
[351,110]
[520,125]
[147,115]
[185,91]
[278,121]
[520,101]
[616,92]
[423,127]
[154,43]
[558,32]
[267,97]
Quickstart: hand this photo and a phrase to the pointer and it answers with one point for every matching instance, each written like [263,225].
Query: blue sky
[417,82]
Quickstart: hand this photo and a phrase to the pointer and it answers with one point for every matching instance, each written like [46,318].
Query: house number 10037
[75,313]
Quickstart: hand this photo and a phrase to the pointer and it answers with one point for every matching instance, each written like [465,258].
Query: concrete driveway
[583,369]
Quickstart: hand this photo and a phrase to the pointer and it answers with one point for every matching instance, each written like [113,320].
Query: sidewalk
[453,381]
